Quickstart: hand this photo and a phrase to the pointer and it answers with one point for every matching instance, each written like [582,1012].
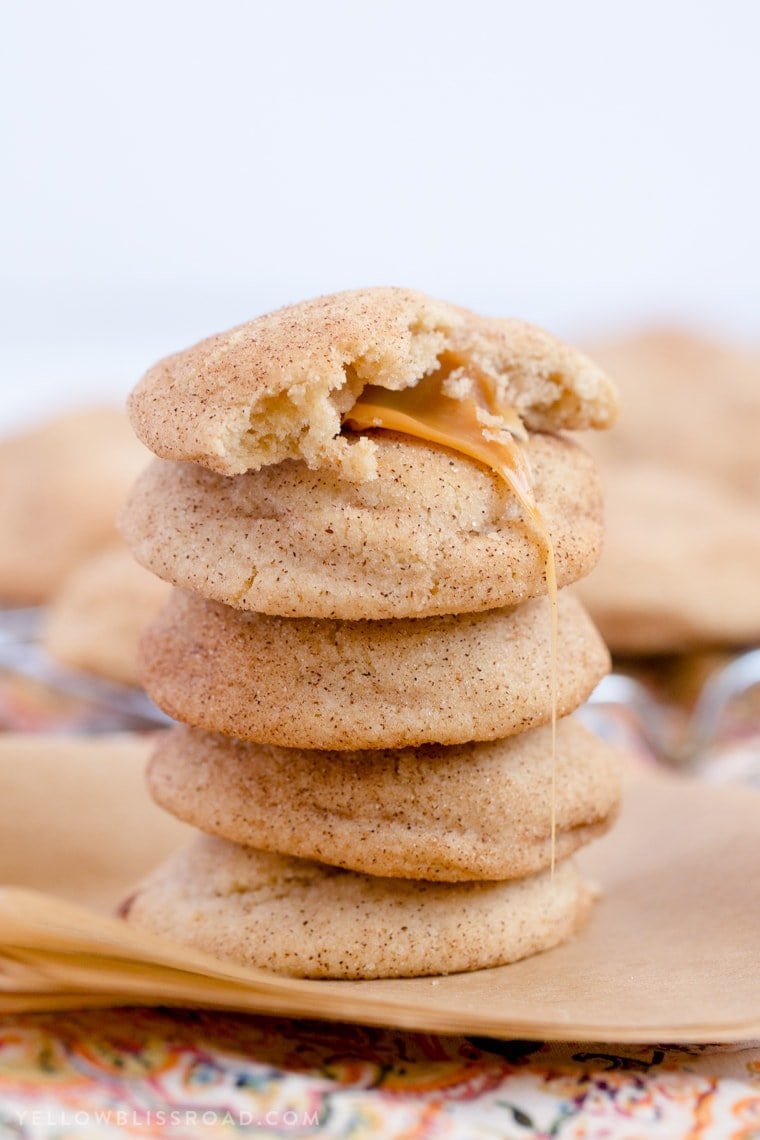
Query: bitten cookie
[276,387]
[302,918]
[434,533]
[472,811]
[303,683]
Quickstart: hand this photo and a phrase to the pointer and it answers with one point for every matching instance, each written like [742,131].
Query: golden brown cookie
[681,566]
[471,811]
[688,402]
[435,533]
[303,683]
[95,619]
[301,918]
[61,486]
[276,387]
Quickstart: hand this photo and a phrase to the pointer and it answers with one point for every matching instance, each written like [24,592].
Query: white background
[171,167]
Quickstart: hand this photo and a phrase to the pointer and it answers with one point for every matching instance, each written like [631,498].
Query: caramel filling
[461,411]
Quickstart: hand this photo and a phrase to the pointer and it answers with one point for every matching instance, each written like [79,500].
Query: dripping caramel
[461,411]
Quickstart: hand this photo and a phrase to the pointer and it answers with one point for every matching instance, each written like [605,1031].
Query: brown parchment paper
[672,952]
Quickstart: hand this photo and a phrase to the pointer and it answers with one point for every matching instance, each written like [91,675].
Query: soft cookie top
[277,387]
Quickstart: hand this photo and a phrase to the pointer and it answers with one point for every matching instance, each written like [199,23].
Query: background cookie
[61,486]
[96,618]
[687,402]
[472,811]
[275,388]
[681,567]
[302,918]
[681,471]
[435,533]
[304,683]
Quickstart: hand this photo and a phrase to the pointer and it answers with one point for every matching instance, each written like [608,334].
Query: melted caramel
[473,423]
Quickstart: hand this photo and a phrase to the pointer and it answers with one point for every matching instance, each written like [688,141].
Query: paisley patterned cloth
[182,1074]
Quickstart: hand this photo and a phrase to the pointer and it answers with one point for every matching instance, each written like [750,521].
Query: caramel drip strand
[473,422]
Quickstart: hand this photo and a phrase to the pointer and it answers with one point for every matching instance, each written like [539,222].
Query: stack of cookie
[360,643]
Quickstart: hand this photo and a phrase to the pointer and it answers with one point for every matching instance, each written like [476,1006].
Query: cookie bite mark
[277,387]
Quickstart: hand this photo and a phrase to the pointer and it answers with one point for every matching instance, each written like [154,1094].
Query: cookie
[95,619]
[435,533]
[468,812]
[681,566]
[61,486]
[277,387]
[296,917]
[304,683]
[687,402]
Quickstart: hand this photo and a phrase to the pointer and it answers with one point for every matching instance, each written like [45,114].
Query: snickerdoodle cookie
[688,401]
[277,387]
[434,533]
[681,568]
[307,683]
[95,619]
[681,564]
[297,917]
[61,486]
[467,812]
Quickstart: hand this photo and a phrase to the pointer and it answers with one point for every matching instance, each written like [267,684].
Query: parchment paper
[671,953]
